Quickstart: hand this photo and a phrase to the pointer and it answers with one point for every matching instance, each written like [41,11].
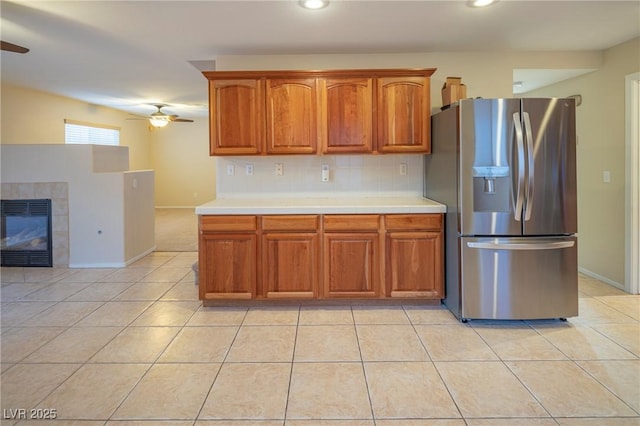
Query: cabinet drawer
[290,223]
[352,223]
[413,221]
[214,223]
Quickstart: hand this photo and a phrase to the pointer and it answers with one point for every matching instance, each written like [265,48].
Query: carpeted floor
[176,230]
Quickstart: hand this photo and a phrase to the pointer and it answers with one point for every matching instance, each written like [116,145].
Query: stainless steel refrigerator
[506,169]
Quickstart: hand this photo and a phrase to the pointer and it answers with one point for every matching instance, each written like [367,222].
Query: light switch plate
[230,170]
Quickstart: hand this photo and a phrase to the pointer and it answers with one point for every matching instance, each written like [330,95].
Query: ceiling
[127,54]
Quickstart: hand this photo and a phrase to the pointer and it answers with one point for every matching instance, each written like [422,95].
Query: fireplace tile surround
[58,192]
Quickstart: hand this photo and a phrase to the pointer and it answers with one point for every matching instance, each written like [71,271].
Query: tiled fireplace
[57,193]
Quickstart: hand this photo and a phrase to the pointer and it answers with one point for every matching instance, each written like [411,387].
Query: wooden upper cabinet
[403,114]
[328,112]
[347,115]
[292,116]
[236,109]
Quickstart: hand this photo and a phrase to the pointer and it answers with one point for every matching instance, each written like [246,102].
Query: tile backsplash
[349,175]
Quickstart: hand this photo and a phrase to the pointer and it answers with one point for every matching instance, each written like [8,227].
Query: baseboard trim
[141,255]
[113,264]
[600,277]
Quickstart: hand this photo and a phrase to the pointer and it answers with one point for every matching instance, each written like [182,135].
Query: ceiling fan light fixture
[314,4]
[158,120]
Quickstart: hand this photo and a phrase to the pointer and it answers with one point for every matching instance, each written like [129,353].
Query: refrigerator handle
[520,150]
[528,207]
[521,245]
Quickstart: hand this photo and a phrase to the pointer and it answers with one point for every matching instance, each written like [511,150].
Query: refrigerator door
[491,169]
[519,278]
[550,143]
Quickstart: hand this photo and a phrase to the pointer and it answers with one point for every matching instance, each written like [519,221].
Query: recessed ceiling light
[481,3]
[517,84]
[314,4]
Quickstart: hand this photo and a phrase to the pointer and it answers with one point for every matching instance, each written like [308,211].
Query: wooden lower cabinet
[321,256]
[227,266]
[351,265]
[290,256]
[290,265]
[227,256]
[351,256]
[413,264]
[414,246]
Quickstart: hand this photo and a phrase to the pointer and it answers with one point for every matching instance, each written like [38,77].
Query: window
[77,132]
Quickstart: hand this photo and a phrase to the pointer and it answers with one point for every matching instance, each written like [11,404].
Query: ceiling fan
[10,47]
[161,119]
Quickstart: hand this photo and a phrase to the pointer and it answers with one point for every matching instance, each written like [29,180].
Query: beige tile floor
[134,346]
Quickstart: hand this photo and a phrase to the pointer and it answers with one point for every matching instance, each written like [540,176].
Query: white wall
[97,201]
[350,175]
[139,213]
[601,147]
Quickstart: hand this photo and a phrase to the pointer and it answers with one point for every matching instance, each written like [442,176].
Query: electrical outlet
[403,169]
[279,169]
[248,169]
[325,173]
[606,176]
[230,170]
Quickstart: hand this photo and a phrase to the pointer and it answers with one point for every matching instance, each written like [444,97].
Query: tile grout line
[433,364]
[293,357]
[222,363]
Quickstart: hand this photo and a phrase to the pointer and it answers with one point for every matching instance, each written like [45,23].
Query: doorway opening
[632,190]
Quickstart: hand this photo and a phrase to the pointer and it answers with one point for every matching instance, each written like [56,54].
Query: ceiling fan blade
[10,47]
[182,120]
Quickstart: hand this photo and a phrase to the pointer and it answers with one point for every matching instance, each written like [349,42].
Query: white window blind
[77,132]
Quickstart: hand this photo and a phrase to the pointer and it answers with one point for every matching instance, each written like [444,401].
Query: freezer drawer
[519,278]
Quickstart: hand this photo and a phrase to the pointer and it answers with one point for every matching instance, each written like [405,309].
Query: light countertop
[338,205]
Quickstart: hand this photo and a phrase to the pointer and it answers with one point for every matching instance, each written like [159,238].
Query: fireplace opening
[25,233]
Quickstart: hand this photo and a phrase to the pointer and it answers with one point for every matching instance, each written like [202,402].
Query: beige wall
[486,74]
[185,173]
[178,153]
[601,147]
[35,117]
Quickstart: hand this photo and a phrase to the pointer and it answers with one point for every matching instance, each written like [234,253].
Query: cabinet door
[236,110]
[351,265]
[414,264]
[403,114]
[292,116]
[290,265]
[227,265]
[347,115]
